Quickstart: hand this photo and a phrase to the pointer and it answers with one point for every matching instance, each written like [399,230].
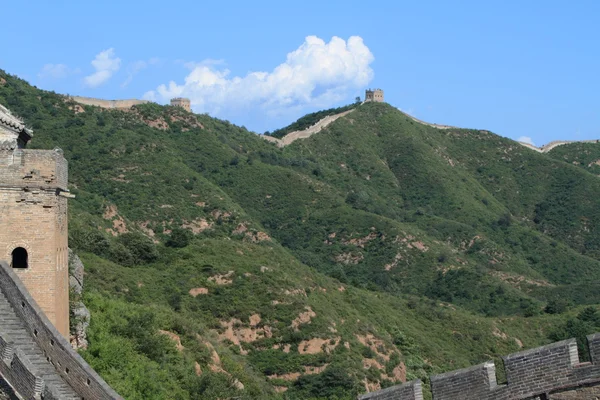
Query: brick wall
[33,216]
[181,102]
[71,367]
[90,101]
[551,371]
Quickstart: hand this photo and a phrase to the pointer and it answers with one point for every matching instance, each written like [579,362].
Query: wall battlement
[375,95]
[33,168]
[23,375]
[33,195]
[548,372]
[549,146]
[18,368]
[90,101]
[182,102]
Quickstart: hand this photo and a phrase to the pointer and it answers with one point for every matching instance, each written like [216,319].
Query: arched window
[19,258]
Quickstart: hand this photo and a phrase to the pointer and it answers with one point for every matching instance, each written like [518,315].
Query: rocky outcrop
[80,315]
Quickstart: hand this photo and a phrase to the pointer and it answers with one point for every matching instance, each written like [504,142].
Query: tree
[179,238]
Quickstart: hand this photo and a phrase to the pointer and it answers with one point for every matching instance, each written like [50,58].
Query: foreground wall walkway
[549,372]
[36,361]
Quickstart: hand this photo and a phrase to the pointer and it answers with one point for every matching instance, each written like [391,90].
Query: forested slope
[376,251]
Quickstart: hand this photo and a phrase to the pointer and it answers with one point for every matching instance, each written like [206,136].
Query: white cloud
[526,139]
[105,64]
[136,67]
[316,74]
[56,71]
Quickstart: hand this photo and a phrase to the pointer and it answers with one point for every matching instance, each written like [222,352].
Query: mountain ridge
[423,249]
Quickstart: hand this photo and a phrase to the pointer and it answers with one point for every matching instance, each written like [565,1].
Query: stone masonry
[182,102]
[115,104]
[36,360]
[548,372]
[375,95]
[33,203]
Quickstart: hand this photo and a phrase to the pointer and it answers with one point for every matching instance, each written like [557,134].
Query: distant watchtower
[33,219]
[181,102]
[375,95]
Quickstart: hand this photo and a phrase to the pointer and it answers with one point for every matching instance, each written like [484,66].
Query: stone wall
[588,392]
[34,217]
[548,372]
[308,132]
[90,101]
[375,95]
[411,390]
[16,368]
[182,102]
[549,146]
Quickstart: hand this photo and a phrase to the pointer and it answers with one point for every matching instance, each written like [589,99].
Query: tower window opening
[19,258]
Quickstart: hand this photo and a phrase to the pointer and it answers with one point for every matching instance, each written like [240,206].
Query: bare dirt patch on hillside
[198,291]
[198,225]
[303,318]
[174,337]
[222,279]
[318,345]
[349,258]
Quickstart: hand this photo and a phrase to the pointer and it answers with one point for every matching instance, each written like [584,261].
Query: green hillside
[583,155]
[376,251]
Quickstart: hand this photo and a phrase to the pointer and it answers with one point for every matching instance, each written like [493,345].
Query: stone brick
[548,372]
[34,217]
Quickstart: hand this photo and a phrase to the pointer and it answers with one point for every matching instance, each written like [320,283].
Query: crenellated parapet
[549,146]
[546,372]
[18,370]
[35,358]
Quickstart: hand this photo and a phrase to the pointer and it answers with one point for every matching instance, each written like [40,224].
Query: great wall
[308,132]
[324,122]
[551,372]
[37,362]
[122,104]
[35,359]
[375,95]
[549,146]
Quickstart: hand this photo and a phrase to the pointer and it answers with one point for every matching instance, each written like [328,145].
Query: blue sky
[520,69]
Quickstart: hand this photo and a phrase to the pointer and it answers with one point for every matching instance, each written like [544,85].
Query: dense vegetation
[379,250]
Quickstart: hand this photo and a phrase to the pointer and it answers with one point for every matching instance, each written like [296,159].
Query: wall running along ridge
[306,133]
[549,372]
[20,373]
[90,101]
[549,146]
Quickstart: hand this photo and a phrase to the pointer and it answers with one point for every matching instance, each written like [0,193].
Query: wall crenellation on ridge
[182,102]
[548,372]
[375,95]
[116,104]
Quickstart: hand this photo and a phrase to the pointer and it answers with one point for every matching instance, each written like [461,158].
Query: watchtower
[33,218]
[181,102]
[375,95]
